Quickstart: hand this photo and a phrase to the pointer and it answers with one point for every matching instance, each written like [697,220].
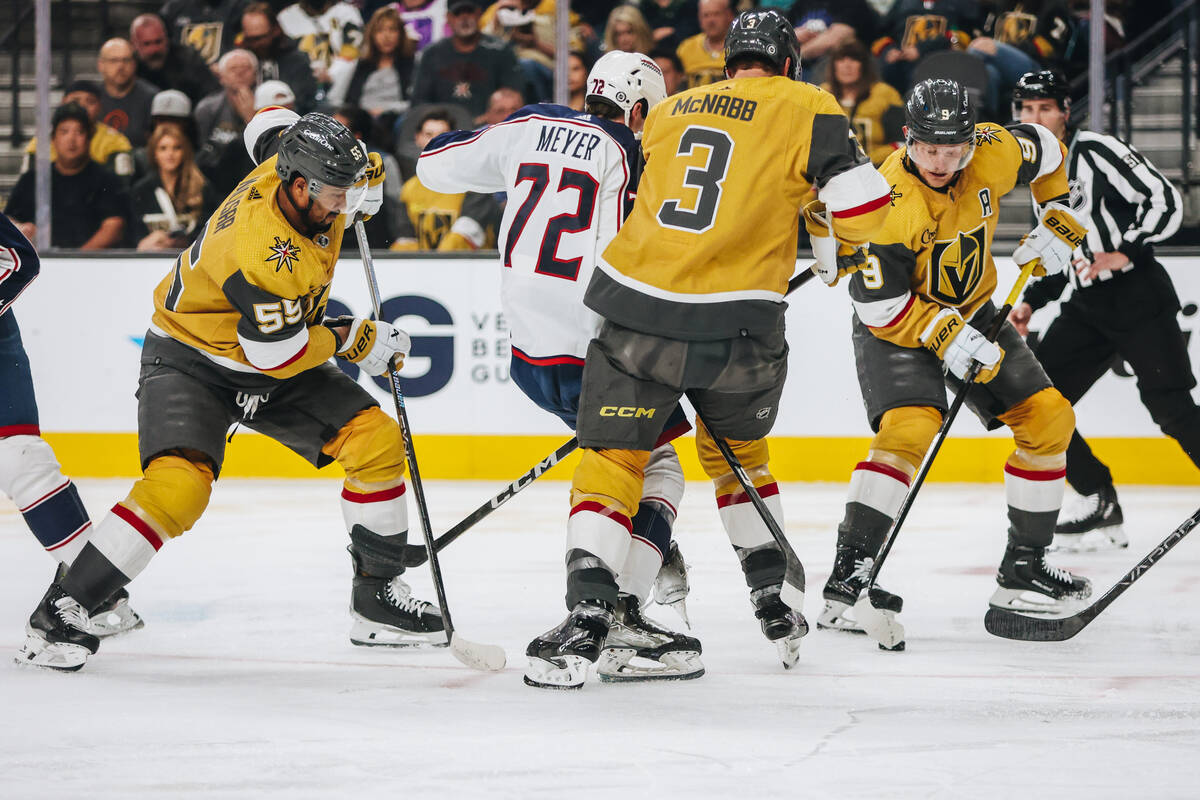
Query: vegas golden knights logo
[205,38]
[923,27]
[862,129]
[1016,28]
[433,227]
[956,266]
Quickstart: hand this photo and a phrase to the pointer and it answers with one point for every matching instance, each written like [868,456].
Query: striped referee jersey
[1125,202]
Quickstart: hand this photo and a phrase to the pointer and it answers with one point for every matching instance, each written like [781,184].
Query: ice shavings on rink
[243,683]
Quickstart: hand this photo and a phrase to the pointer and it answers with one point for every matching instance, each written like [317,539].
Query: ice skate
[386,614]
[57,636]
[1094,523]
[671,584]
[851,568]
[781,624]
[113,617]
[1029,585]
[639,649]
[559,658]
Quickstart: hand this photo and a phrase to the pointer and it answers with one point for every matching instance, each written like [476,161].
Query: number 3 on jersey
[706,179]
[538,176]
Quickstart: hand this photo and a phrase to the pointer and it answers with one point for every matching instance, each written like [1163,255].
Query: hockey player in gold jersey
[692,290]
[238,335]
[920,304]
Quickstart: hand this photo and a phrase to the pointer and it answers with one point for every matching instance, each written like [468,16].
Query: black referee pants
[1132,316]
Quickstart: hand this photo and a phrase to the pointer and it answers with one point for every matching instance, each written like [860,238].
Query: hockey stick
[870,611]
[477,656]
[415,556]
[793,573]
[1010,625]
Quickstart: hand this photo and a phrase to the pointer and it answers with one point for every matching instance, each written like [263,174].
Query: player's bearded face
[938,163]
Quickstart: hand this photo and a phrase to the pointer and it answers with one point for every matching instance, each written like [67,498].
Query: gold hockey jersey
[701,66]
[250,292]
[710,244]
[935,250]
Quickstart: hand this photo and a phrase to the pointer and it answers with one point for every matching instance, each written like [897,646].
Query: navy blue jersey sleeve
[19,263]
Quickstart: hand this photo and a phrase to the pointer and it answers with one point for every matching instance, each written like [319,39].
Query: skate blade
[60,656]
[119,620]
[1099,539]
[1027,602]
[616,665]
[879,624]
[365,633]
[835,618]
[565,672]
[789,650]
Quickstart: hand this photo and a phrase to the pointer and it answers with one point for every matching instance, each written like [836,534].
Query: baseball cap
[170,103]
[273,93]
[461,5]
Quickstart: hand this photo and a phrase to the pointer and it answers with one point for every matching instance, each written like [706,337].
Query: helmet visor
[338,199]
[940,158]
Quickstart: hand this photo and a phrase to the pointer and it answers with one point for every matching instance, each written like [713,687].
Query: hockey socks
[47,499]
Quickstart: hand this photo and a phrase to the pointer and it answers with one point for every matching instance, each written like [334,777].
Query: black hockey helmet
[765,34]
[939,112]
[325,153]
[1046,84]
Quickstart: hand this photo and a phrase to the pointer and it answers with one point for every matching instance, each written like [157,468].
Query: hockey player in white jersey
[570,178]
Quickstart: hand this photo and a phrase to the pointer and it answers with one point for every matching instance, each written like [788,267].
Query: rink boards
[83,321]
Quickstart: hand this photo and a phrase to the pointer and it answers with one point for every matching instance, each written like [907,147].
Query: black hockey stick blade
[1011,625]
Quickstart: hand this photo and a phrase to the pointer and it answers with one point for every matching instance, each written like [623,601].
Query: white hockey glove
[835,259]
[957,344]
[1053,240]
[376,347]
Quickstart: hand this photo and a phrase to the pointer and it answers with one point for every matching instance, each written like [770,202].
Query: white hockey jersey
[570,179]
[332,40]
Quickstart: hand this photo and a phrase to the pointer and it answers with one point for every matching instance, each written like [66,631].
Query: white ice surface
[243,682]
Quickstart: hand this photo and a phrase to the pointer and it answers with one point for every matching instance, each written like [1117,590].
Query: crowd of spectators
[142,155]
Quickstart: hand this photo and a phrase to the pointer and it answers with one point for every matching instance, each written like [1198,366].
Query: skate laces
[399,594]
[71,613]
[1086,506]
[1058,573]
[862,568]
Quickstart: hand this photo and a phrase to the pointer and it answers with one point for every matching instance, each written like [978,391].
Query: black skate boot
[851,568]
[57,635]
[114,616]
[639,649]
[1096,523]
[386,614]
[780,623]
[671,583]
[559,658]
[1028,584]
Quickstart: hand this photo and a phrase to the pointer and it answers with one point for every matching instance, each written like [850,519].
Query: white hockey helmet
[625,78]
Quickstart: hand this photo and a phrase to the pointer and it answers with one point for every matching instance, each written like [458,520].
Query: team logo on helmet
[283,253]
[956,266]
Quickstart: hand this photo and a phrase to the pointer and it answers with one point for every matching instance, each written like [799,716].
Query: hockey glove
[376,347]
[957,344]
[1053,241]
[835,259]
[373,198]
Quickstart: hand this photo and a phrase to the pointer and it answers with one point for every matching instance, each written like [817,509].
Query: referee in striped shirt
[1122,304]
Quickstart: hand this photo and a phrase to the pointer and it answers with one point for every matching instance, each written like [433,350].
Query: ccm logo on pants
[626,411]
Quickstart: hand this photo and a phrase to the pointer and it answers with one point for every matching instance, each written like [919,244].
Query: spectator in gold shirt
[703,55]
[875,109]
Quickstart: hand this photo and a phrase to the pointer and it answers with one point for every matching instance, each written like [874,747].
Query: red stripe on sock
[70,538]
[604,511]
[46,496]
[885,469]
[1036,475]
[648,543]
[139,525]
[664,501]
[373,497]
[764,491]
[19,430]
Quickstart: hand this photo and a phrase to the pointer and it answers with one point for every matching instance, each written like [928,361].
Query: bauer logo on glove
[1053,240]
[376,347]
